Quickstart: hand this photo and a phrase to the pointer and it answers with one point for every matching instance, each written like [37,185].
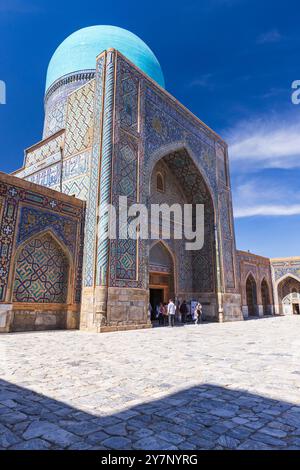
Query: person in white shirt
[198,314]
[171,312]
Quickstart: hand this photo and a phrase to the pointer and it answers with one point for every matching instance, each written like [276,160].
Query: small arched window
[160,182]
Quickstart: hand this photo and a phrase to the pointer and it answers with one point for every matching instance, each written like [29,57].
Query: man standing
[171,312]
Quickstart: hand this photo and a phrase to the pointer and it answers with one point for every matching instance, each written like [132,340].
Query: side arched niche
[288,289]
[42,284]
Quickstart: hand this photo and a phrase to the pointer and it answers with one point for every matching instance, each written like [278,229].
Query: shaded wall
[41,240]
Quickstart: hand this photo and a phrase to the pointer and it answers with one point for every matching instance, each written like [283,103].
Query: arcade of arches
[269,286]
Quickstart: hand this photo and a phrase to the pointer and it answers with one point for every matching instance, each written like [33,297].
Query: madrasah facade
[111,129]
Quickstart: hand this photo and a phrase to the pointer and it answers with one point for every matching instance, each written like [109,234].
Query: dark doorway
[251,295]
[156,297]
[265,296]
[296,309]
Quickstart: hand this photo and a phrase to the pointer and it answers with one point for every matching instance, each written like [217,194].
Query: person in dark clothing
[161,314]
[184,311]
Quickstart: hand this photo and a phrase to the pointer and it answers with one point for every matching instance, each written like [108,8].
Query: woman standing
[198,313]
[161,314]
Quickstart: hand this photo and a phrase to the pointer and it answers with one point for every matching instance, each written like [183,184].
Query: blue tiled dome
[80,49]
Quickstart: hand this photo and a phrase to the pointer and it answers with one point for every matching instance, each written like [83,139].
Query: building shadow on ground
[201,417]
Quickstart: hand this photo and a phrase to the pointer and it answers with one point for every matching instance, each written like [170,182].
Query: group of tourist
[171,313]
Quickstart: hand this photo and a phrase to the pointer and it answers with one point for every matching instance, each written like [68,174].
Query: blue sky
[231,62]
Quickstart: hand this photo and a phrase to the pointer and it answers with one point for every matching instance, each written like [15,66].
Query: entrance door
[296,309]
[156,297]
[287,307]
[251,295]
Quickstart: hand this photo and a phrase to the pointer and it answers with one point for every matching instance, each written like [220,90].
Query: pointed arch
[288,291]
[160,182]
[251,294]
[162,244]
[43,268]
[265,295]
[184,148]
[187,183]
[285,276]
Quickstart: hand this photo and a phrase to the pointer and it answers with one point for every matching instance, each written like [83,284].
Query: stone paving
[211,386]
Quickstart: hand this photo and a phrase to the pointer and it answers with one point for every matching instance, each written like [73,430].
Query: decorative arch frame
[250,273]
[278,302]
[165,150]
[179,146]
[159,174]
[64,248]
[285,276]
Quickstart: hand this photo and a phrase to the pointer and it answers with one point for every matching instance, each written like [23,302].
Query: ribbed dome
[79,51]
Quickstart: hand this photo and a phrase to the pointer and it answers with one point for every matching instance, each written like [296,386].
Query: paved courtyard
[210,386]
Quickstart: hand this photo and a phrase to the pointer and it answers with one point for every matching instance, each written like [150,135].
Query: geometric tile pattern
[168,125]
[224,214]
[227,237]
[55,117]
[36,213]
[127,99]
[79,122]
[221,163]
[124,253]
[41,152]
[34,220]
[126,168]
[283,268]
[41,272]
[93,192]
[106,171]
[125,268]
[77,187]
[69,170]
[228,263]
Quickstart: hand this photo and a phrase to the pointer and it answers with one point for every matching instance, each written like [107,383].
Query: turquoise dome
[79,51]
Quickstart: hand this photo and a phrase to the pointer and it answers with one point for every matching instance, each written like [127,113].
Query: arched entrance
[161,276]
[289,296]
[265,296]
[176,179]
[41,272]
[251,295]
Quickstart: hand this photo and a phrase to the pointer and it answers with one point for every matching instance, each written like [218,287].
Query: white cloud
[263,196]
[267,210]
[269,37]
[264,143]
[202,82]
